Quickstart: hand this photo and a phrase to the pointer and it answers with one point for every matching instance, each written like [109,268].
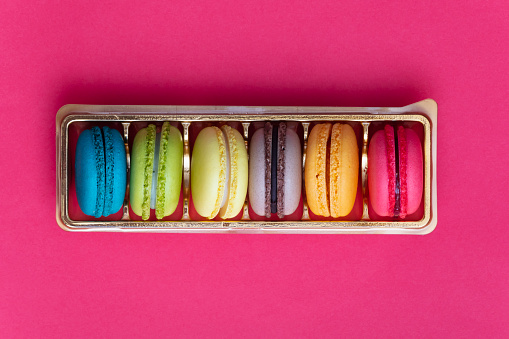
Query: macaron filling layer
[155,172]
[275,141]
[110,171]
[116,170]
[396,151]
[323,168]
[334,170]
[273,171]
[100,169]
[234,191]
[226,187]
[169,157]
[281,142]
[222,173]
[324,164]
[403,165]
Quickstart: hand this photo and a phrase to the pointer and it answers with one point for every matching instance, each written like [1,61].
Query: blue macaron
[101,170]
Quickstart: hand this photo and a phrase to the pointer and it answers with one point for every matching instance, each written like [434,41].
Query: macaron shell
[257,172]
[293,172]
[414,170]
[169,180]
[380,167]
[378,174]
[208,171]
[238,180]
[142,163]
[315,170]
[89,172]
[116,170]
[344,170]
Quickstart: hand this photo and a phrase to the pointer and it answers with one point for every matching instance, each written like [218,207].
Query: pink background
[451,283]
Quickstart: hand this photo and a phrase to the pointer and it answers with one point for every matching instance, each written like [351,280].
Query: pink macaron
[395,171]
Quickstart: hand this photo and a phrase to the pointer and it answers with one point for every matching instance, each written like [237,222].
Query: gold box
[423,113]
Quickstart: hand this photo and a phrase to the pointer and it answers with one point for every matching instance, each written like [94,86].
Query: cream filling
[226,190]
[155,170]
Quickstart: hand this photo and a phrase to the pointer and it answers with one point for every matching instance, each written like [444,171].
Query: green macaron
[156,171]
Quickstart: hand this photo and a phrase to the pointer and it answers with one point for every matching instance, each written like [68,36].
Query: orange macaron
[331,169]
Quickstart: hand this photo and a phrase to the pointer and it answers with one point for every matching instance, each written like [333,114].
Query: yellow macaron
[219,167]
[331,169]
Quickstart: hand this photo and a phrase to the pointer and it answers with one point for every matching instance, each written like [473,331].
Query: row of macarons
[223,174]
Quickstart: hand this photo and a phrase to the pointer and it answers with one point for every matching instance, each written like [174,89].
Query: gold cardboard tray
[423,112]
